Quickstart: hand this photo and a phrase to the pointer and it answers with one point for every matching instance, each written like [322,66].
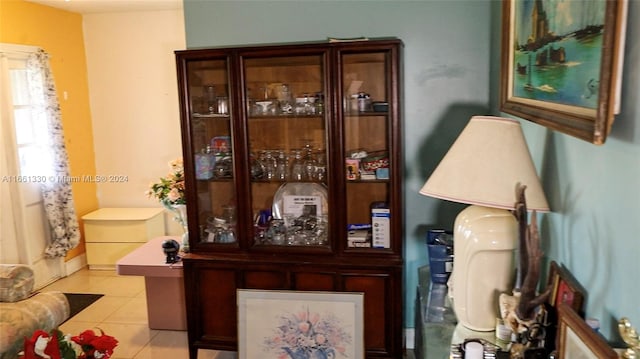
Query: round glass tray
[294,199]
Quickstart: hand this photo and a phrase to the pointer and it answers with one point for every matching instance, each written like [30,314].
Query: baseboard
[409,338]
[75,264]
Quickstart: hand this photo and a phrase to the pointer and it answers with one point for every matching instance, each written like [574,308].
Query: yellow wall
[60,34]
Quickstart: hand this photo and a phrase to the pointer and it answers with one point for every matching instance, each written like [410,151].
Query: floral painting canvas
[300,325]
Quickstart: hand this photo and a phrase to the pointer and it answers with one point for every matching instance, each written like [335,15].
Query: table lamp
[483,168]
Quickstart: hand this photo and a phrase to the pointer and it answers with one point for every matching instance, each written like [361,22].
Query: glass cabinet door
[365,106]
[212,149]
[286,128]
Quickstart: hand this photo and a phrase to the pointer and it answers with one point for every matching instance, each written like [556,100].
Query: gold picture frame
[565,288]
[299,324]
[565,75]
[576,340]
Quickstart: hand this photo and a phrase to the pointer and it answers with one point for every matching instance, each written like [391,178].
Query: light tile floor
[122,313]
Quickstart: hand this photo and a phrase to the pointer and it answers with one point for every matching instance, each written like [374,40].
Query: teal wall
[451,60]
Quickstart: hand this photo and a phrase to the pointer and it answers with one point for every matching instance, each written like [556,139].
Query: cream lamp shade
[483,167]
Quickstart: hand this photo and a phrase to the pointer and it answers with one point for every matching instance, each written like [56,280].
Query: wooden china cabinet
[293,165]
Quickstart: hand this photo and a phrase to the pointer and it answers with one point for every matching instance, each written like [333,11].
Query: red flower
[105,344]
[31,351]
[95,346]
[56,346]
[84,338]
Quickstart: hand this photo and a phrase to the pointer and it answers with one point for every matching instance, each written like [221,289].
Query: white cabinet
[112,233]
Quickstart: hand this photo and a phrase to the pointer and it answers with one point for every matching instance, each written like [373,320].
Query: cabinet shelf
[282,117]
[210,115]
[366,114]
[292,237]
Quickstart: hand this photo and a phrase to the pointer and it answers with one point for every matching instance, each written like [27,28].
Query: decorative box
[375,160]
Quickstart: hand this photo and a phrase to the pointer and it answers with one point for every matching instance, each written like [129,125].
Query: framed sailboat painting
[561,64]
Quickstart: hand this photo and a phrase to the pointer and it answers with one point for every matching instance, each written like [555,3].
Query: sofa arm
[45,311]
[16,282]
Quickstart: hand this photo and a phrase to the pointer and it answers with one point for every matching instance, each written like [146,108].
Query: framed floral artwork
[565,288]
[576,340]
[300,325]
[562,64]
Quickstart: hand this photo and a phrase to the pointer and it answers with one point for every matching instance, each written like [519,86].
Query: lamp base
[483,264]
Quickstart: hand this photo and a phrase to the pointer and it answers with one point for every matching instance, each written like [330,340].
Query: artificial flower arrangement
[305,334]
[170,189]
[55,345]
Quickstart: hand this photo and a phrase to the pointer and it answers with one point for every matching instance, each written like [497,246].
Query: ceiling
[101,6]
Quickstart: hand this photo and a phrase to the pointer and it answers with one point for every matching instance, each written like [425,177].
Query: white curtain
[11,221]
[57,195]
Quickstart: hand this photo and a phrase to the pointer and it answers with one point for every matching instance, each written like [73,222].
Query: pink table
[163,282]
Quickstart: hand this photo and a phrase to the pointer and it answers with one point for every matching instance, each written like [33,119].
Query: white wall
[134,101]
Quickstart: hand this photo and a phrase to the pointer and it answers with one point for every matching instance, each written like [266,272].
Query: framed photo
[565,289]
[300,325]
[576,340]
[562,64]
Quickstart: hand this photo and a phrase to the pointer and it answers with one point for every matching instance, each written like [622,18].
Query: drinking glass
[321,166]
[310,165]
[296,172]
[210,95]
[269,164]
[281,165]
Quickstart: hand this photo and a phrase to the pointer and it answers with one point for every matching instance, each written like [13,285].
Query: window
[29,123]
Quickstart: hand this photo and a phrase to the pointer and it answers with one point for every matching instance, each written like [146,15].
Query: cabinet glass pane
[287,146]
[365,84]
[213,150]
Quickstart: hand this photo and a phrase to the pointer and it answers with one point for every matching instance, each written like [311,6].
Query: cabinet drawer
[314,281]
[107,254]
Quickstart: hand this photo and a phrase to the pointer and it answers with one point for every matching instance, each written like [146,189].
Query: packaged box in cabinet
[381,226]
[353,168]
[382,173]
[359,238]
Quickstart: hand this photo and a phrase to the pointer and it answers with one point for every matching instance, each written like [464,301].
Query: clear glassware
[319,104]
[309,105]
[281,171]
[229,214]
[257,167]
[265,107]
[284,100]
[296,166]
[269,163]
[210,95]
[300,108]
[310,164]
[321,166]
